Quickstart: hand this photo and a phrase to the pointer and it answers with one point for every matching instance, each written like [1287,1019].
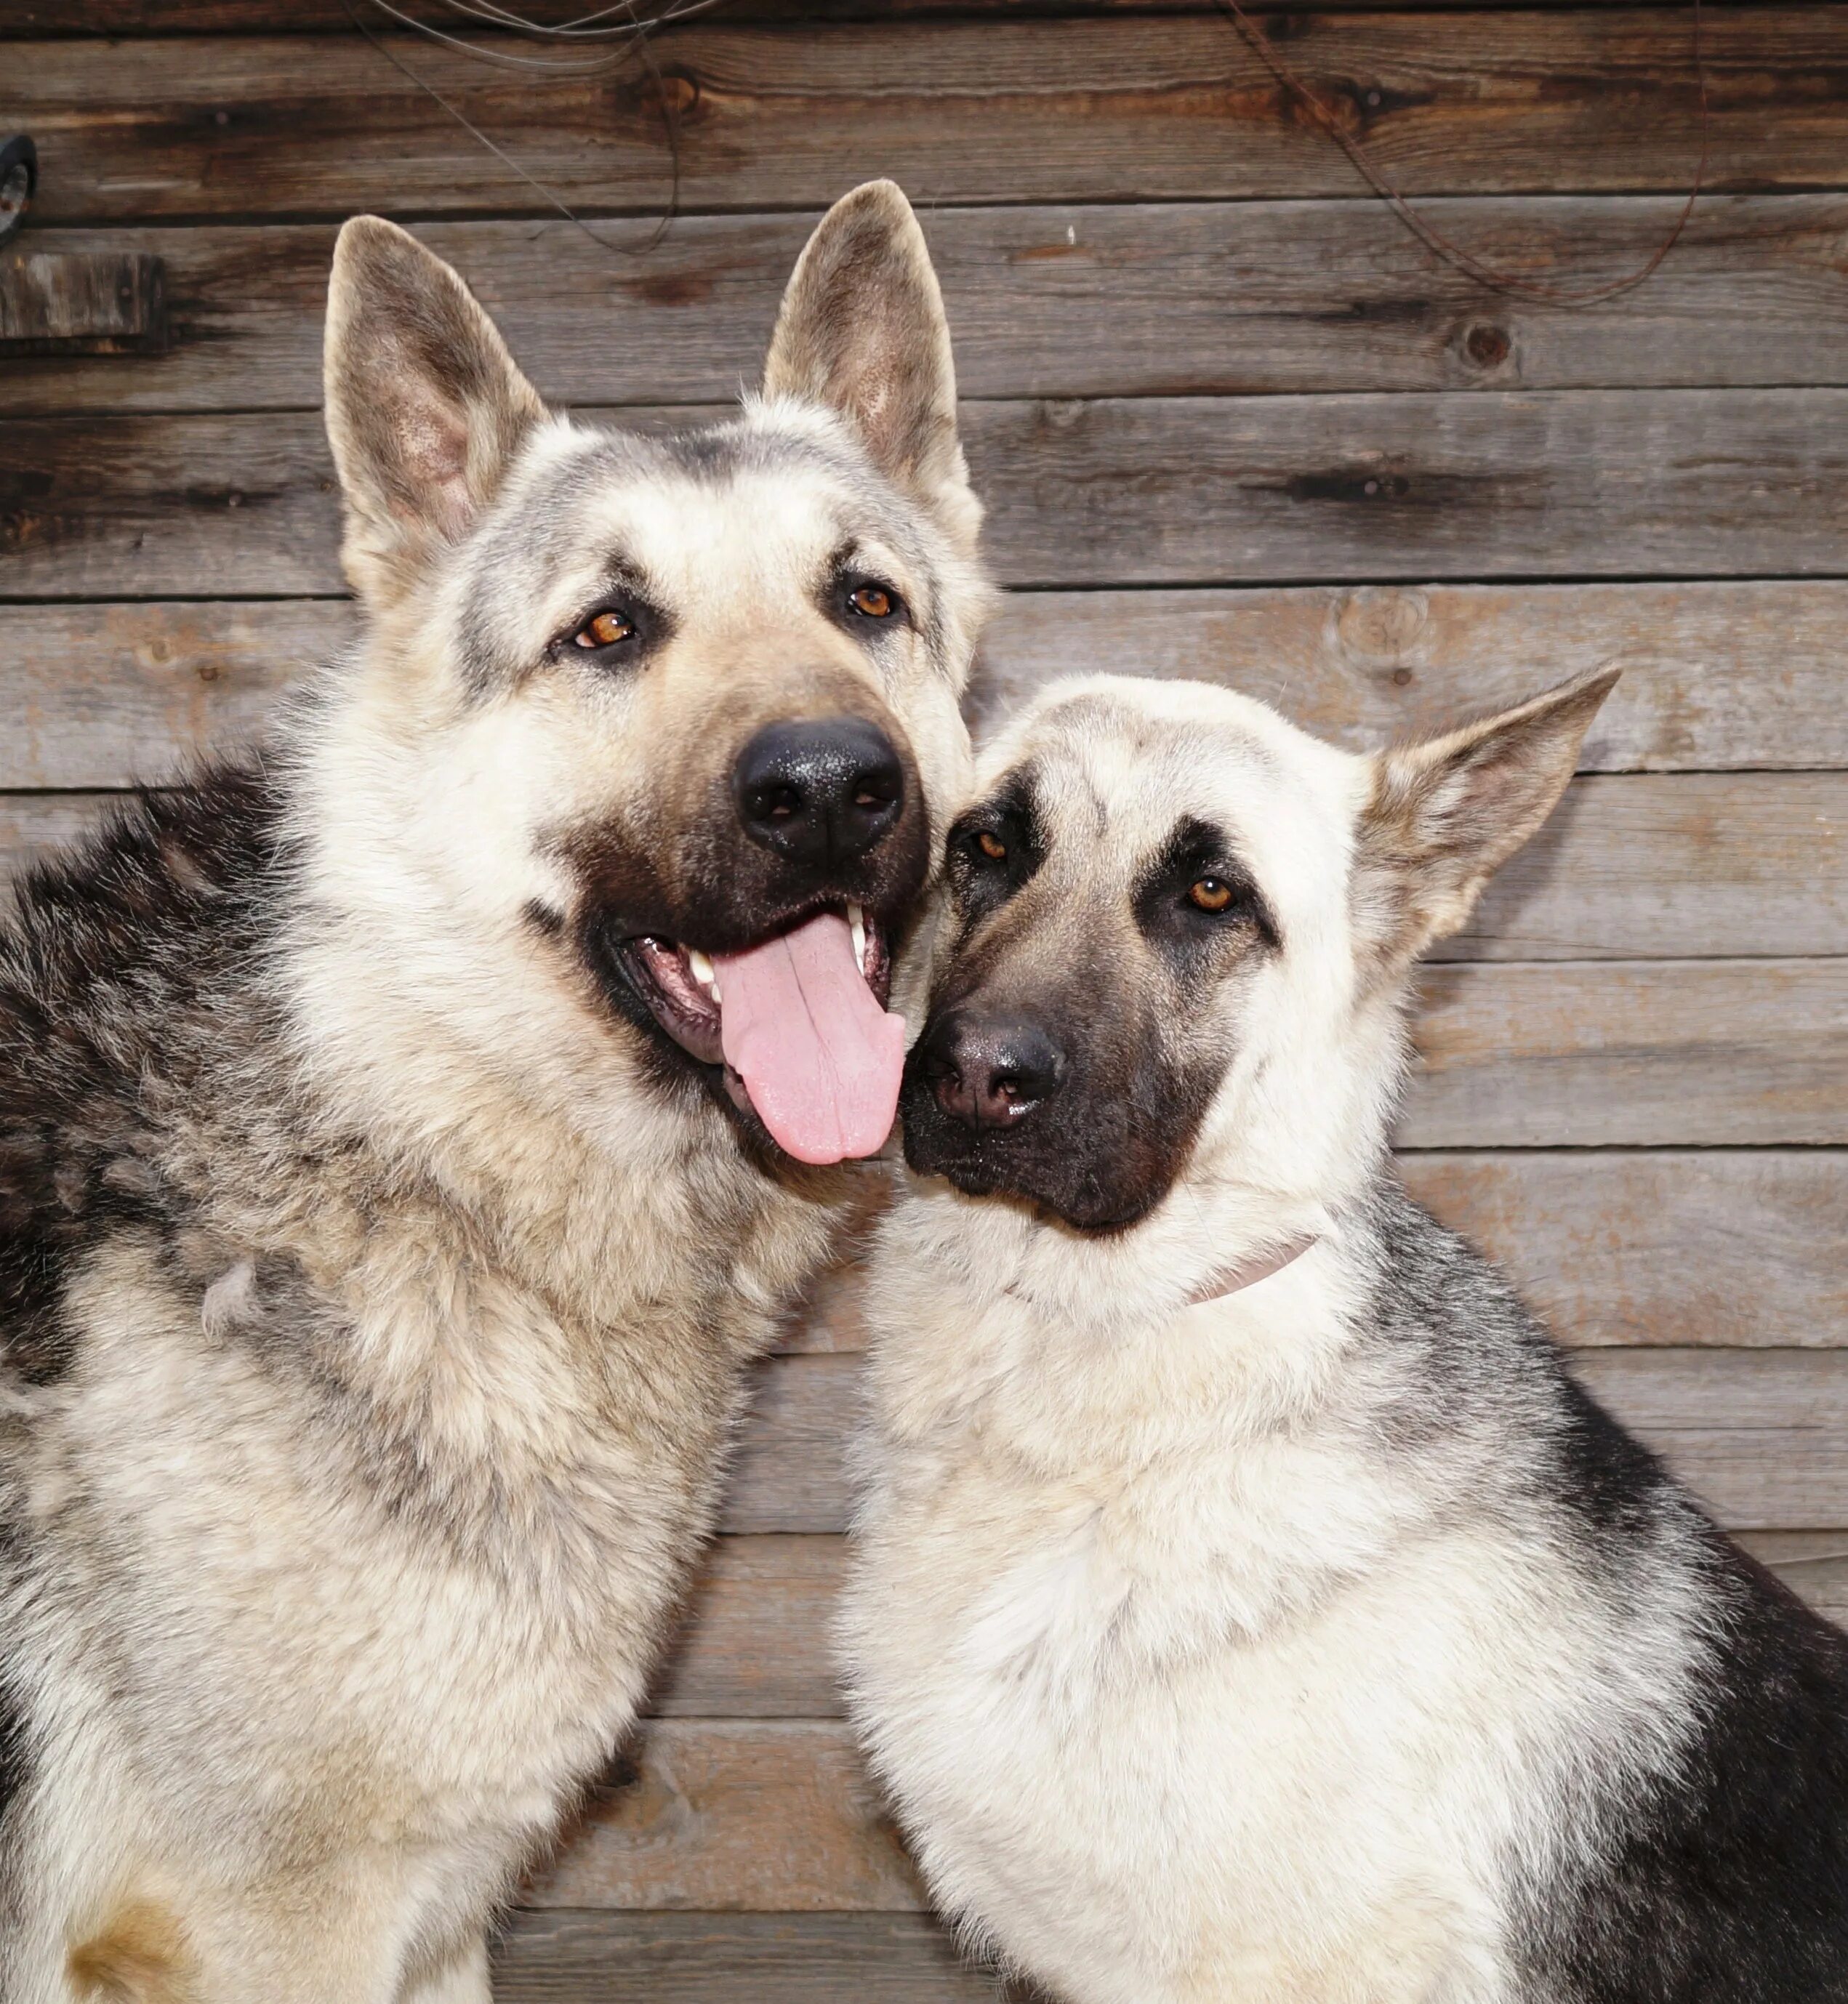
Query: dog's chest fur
[459,1502]
[1168,1658]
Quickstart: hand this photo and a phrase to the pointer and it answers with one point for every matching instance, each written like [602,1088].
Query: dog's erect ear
[1445,816]
[862,329]
[425,408]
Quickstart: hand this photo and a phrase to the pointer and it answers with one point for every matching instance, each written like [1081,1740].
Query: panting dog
[1247,1604]
[408,1137]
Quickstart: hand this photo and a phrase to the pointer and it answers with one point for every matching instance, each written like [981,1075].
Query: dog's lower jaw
[669,992]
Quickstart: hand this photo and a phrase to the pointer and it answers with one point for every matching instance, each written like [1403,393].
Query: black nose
[990,1072]
[821,793]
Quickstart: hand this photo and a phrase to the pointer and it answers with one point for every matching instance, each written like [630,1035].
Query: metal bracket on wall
[70,302]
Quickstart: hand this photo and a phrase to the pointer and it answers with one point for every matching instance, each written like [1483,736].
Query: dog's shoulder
[126,959]
[1476,1356]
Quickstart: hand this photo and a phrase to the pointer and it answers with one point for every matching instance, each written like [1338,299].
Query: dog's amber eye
[873,601]
[992,846]
[607,629]
[1209,894]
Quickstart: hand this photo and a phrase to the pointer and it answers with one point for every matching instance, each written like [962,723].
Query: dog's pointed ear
[862,329]
[425,406]
[1443,816]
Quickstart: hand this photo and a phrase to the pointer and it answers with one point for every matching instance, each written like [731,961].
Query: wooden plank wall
[1231,421]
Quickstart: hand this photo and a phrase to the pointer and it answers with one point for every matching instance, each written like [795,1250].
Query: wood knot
[677,93]
[1379,627]
[1485,345]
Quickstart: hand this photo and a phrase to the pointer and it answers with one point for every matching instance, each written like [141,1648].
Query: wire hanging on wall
[1426,231]
[625,27]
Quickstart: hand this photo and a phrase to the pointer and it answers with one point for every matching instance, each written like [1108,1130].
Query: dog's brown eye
[607,629]
[874,601]
[992,846]
[1209,894]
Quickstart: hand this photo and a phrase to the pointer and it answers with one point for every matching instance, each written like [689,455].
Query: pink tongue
[819,1057]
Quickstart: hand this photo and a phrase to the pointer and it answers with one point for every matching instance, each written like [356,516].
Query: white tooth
[857,925]
[703,972]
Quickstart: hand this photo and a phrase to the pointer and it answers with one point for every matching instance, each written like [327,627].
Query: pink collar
[1261,1267]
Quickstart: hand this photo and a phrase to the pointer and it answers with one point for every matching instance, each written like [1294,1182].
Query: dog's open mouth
[797,1021]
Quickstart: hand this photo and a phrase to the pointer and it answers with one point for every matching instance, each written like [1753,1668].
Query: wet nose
[989,1072]
[819,794]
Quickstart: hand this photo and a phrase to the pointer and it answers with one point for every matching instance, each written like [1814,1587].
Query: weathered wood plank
[32,824]
[1761,1435]
[1670,1248]
[1123,299]
[1683,866]
[1564,483]
[604,1958]
[1710,1247]
[776,1817]
[99,695]
[754,1639]
[1717,676]
[80,302]
[1814,1564]
[1115,109]
[1630,1054]
[1159,491]
[788,1474]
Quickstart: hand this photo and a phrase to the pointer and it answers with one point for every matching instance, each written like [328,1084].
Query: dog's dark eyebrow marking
[1012,810]
[1196,848]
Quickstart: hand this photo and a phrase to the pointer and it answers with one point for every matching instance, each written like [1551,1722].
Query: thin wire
[638,45]
[584,28]
[502,59]
[1427,232]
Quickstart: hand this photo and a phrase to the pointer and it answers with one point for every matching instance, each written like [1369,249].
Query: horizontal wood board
[1675,1249]
[1556,484]
[997,109]
[1064,300]
[593,1958]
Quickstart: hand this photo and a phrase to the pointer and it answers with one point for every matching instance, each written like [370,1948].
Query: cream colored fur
[1191,1685]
